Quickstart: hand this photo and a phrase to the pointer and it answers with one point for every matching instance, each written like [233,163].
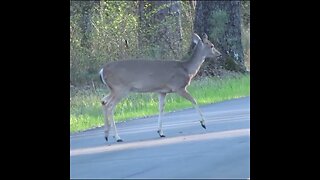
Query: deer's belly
[142,87]
[161,84]
[158,90]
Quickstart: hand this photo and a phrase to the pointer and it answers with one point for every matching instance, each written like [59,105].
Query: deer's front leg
[184,93]
[161,107]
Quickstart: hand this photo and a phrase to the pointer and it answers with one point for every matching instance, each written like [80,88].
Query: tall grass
[86,110]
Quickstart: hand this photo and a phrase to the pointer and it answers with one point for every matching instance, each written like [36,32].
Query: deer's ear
[196,38]
[204,37]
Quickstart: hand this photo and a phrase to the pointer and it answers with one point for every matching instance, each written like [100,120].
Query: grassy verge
[86,111]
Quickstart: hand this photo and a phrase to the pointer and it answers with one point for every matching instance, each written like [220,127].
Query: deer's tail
[101,76]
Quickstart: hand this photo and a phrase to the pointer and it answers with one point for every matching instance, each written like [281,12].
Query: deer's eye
[211,46]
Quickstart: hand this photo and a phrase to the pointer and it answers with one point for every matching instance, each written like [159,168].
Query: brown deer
[161,77]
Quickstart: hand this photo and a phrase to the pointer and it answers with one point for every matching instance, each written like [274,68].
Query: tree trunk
[160,28]
[85,23]
[221,21]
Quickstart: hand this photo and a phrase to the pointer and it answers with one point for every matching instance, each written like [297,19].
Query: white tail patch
[101,76]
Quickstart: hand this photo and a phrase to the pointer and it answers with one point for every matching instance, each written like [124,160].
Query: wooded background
[103,31]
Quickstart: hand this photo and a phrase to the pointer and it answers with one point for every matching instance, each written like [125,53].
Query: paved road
[187,151]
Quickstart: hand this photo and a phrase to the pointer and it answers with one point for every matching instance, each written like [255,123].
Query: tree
[221,20]
[160,28]
[85,23]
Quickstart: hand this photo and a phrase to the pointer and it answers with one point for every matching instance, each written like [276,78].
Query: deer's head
[206,46]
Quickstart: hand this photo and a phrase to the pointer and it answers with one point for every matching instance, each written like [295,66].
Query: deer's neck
[194,63]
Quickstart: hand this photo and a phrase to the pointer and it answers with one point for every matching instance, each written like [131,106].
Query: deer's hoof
[119,140]
[106,138]
[204,126]
[161,135]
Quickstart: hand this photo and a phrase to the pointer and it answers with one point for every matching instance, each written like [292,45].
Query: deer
[155,76]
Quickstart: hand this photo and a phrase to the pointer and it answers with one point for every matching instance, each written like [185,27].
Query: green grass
[86,110]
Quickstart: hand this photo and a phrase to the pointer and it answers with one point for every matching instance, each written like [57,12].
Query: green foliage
[118,32]
[113,22]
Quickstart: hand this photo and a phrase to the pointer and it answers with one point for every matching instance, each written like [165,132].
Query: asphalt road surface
[187,151]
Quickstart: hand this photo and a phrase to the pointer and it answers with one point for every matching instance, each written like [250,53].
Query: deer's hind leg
[105,101]
[117,96]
